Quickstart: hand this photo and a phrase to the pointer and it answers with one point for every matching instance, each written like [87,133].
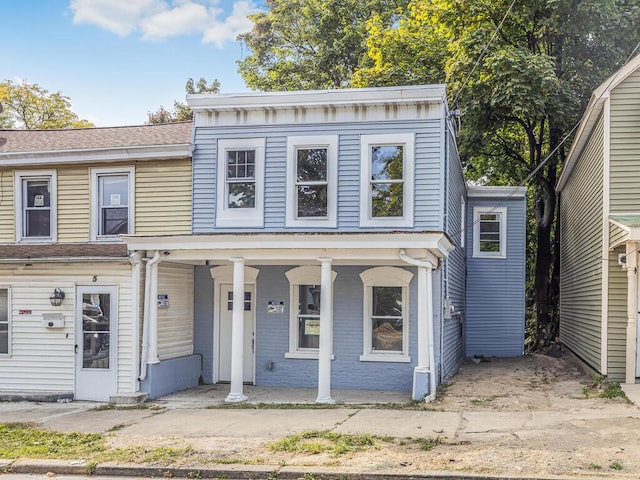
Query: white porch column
[326,332]
[424,308]
[152,353]
[236,393]
[632,312]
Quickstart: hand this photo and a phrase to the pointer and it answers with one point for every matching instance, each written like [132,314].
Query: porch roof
[62,252]
[283,248]
[630,223]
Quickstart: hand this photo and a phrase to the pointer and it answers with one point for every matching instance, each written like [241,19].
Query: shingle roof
[63,250]
[94,138]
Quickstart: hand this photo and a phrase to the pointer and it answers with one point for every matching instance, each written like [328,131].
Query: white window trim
[9,319]
[330,142]
[408,165]
[95,199]
[502,211]
[385,277]
[18,194]
[305,275]
[240,217]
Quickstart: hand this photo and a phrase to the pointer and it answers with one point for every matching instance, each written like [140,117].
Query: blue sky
[118,59]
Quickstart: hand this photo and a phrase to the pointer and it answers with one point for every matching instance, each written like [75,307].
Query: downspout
[135,261]
[427,286]
[145,320]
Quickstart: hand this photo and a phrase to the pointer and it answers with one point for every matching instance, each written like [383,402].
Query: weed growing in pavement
[194,474]
[595,466]
[427,444]
[483,400]
[137,406]
[315,442]
[601,388]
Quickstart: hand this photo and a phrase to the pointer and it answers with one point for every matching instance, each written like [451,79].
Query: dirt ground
[545,394]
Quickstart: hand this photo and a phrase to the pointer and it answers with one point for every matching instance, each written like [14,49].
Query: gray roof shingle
[15,141]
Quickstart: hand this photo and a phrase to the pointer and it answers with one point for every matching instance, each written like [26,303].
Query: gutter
[425,334]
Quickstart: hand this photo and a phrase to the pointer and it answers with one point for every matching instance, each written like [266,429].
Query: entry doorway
[225,319]
[95,345]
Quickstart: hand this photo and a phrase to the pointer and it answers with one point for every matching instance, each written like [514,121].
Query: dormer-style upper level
[340,160]
[95,184]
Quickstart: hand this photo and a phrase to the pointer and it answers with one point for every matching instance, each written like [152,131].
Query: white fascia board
[496,192]
[435,242]
[148,152]
[315,98]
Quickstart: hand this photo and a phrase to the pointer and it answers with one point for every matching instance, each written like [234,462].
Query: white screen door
[225,306]
[96,323]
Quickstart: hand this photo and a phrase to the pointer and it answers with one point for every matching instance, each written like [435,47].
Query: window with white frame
[240,182]
[304,323]
[386,314]
[112,202]
[312,180]
[386,193]
[490,232]
[35,205]
[4,321]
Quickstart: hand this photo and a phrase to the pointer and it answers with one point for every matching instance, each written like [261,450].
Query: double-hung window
[312,180]
[112,202]
[386,193]
[490,232]
[4,321]
[35,205]
[386,314]
[240,182]
[304,323]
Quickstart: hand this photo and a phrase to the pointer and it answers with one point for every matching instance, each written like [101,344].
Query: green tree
[530,87]
[30,106]
[309,44]
[181,111]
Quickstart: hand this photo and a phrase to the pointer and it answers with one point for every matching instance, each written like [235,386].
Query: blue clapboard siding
[203,320]
[454,264]
[428,173]
[495,287]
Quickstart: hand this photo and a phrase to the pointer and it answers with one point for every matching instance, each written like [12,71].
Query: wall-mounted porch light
[56,297]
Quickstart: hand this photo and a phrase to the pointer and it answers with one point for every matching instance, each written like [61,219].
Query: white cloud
[159,19]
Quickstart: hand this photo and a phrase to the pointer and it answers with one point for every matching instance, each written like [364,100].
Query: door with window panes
[225,316]
[95,346]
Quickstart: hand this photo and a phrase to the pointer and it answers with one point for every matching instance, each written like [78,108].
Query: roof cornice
[496,192]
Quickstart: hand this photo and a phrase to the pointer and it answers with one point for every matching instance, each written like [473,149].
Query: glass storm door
[224,346]
[96,320]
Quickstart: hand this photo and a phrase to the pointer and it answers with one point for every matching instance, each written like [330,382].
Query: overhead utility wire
[564,139]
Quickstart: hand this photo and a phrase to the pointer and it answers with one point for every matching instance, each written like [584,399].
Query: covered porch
[262,332]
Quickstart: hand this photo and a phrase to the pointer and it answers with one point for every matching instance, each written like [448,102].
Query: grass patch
[427,444]
[601,388]
[315,442]
[411,405]
[595,466]
[137,406]
[483,400]
[616,466]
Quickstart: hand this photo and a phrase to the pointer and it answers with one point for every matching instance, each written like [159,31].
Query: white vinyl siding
[34,345]
[175,323]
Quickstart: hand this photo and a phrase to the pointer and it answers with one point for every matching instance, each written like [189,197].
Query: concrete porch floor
[204,395]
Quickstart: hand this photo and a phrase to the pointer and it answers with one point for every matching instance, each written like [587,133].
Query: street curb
[242,472]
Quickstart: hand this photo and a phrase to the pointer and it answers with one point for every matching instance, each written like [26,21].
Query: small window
[490,232]
[4,321]
[304,325]
[35,206]
[387,180]
[386,316]
[312,181]
[240,182]
[247,301]
[112,202]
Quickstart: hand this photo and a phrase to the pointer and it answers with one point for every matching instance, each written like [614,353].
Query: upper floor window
[490,232]
[386,193]
[4,320]
[304,323]
[112,202]
[240,182]
[35,205]
[386,314]
[312,180]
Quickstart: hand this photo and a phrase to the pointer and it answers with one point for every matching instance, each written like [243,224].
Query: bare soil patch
[525,416]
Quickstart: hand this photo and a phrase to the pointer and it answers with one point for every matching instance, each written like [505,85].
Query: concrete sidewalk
[191,418]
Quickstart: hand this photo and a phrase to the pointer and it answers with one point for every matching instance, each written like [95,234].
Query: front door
[225,315]
[96,322]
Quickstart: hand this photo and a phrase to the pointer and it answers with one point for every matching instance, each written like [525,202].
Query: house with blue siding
[335,245]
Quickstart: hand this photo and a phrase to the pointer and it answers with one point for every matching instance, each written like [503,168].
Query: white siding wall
[42,359]
[175,324]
